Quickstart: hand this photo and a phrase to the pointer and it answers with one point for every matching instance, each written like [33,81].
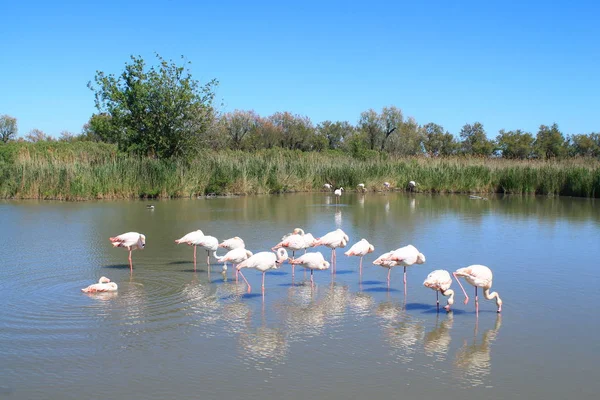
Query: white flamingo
[440,281]
[333,240]
[233,243]
[104,285]
[131,241]
[327,186]
[412,185]
[406,256]
[192,239]
[360,249]
[361,187]
[235,257]
[386,185]
[478,276]
[338,194]
[293,242]
[263,261]
[311,261]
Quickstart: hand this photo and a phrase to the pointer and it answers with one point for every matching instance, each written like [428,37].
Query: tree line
[161,111]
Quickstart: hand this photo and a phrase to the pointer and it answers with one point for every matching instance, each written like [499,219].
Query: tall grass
[80,171]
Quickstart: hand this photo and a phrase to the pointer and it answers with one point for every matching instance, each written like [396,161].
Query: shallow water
[170,332]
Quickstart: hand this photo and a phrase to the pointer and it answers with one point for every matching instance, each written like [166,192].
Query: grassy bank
[85,170]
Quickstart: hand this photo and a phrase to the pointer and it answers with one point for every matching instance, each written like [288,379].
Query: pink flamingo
[233,243]
[130,241]
[104,285]
[263,261]
[333,240]
[478,276]
[193,239]
[312,261]
[360,249]
[235,257]
[406,256]
[293,242]
[383,261]
[440,281]
[338,194]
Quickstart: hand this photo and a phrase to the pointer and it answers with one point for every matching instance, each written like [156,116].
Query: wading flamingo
[478,276]
[383,261]
[406,256]
[312,261]
[263,261]
[327,186]
[333,240]
[338,194]
[440,281]
[292,242]
[192,239]
[360,249]
[412,185]
[233,243]
[361,187]
[130,241]
[104,285]
[386,186]
[235,257]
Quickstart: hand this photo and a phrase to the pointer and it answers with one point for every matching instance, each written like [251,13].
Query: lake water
[172,333]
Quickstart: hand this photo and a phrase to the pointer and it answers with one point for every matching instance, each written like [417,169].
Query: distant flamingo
[192,239]
[312,261]
[440,281]
[293,242]
[406,256]
[235,257]
[233,243]
[361,187]
[263,261]
[478,276]
[386,185]
[104,285]
[338,194]
[360,249]
[383,261]
[333,240]
[412,185]
[327,186]
[130,241]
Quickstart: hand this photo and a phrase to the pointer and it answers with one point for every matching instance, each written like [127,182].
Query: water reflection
[474,360]
[402,331]
[437,340]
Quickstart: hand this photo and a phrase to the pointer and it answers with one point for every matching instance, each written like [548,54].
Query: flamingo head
[282,255]
[371,248]
[420,258]
[325,264]
[142,241]
[298,231]
[103,280]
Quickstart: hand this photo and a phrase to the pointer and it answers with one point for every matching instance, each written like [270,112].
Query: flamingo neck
[490,296]
[450,294]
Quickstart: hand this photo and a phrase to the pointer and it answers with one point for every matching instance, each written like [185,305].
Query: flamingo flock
[240,257]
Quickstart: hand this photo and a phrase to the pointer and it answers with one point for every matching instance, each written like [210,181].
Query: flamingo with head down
[263,261]
[440,281]
[478,276]
[311,261]
[131,241]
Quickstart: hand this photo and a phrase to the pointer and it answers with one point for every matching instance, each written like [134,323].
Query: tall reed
[84,170]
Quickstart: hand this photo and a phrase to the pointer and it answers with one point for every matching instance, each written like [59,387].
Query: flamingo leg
[404,276]
[236,272]
[437,300]
[461,286]
[207,258]
[293,265]
[249,287]
[194,258]
[388,277]
[476,301]
[130,263]
[360,266]
[263,282]
[312,282]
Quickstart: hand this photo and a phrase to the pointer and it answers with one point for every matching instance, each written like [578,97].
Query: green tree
[407,139]
[237,125]
[391,120]
[160,111]
[335,132]
[549,142]
[585,145]
[515,144]
[436,142]
[100,128]
[475,141]
[370,126]
[8,128]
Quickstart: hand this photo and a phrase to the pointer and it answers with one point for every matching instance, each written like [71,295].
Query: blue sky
[507,64]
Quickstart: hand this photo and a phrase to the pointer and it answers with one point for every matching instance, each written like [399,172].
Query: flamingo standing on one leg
[235,257]
[333,240]
[338,194]
[130,241]
[104,285]
[383,261]
[192,239]
[360,249]
[312,261]
[440,281]
[233,243]
[293,242]
[263,261]
[478,276]
[406,256]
